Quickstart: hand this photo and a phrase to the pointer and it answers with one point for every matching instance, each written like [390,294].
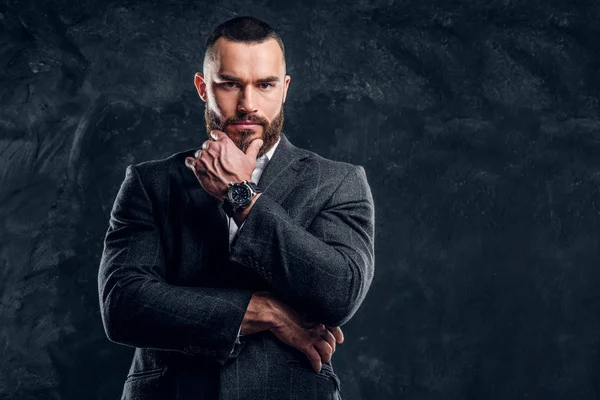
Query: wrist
[261,314]
[240,216]
[272,312]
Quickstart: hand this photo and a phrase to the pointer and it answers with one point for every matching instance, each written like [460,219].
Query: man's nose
[246,103]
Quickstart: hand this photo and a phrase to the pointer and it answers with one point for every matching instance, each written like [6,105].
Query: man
[228,289]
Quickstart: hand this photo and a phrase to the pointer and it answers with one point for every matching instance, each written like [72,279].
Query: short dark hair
[242,29]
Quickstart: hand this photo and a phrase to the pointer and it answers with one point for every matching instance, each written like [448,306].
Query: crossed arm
[327,272]
[324,270]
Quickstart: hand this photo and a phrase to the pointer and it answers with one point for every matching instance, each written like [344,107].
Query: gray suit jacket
[170,286]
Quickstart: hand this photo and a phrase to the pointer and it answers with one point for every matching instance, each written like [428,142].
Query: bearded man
[231,268]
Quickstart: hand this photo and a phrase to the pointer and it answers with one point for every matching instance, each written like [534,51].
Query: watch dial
[240,194]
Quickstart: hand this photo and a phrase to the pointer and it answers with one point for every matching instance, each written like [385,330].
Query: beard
[271,130]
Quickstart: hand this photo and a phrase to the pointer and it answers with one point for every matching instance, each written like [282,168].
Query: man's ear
[200,85]
[286,86]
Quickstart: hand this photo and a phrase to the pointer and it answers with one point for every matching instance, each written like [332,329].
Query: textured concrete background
[478,126]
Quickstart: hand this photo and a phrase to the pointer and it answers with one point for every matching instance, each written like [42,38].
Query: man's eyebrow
[227,77]
[271,78]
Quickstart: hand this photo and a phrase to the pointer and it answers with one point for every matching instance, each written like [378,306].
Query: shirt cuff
[237,340]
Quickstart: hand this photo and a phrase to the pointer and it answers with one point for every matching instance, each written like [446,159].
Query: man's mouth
[243,124]
[246,123]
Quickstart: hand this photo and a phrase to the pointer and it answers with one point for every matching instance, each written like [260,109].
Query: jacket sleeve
[139,308]
[324,270]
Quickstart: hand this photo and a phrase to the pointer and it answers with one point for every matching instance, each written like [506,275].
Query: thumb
[254,147]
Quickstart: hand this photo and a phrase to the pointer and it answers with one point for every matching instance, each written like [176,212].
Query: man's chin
[244,135]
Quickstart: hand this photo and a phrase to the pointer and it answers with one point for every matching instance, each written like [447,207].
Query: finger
[217,134]
[253,149]
[196,166]
[189,162]
[329,338]
[337,333]
[198,169]
[193,165]
[209,145]
[324,350]
[200,175]
[212,151]
[314,357]
[205,165]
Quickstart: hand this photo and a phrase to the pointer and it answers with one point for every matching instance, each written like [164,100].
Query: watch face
[240,194]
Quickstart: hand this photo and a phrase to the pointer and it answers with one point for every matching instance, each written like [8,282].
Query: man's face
[245,83]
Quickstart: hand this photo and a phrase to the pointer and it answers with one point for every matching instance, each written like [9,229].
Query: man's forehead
[229,56]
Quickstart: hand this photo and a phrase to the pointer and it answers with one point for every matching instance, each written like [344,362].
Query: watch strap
[254,187]
[227,207]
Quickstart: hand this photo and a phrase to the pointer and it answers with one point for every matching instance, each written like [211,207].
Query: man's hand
[220,162]
[314,339]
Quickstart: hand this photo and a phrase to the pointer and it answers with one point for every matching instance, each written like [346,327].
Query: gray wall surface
[477,124]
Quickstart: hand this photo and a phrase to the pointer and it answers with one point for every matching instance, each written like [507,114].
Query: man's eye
[268,85]
[229,84]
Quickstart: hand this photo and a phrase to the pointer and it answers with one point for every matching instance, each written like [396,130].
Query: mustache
[252,118]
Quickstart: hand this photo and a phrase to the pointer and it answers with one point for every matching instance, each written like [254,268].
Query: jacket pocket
[325,373]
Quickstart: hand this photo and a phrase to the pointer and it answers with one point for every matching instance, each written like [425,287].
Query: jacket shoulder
[335,168]
[156,174]
[163,164]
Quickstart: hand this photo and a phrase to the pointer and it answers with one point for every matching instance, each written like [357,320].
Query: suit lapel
[283,170]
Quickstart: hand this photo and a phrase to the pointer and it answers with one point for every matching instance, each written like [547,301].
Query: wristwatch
[239,196]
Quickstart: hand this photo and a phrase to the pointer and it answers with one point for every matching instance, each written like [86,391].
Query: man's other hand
[314,339]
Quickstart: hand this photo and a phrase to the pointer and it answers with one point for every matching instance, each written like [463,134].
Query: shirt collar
[269,154]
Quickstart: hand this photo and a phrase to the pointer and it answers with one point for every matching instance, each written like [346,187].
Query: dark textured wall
[477,123]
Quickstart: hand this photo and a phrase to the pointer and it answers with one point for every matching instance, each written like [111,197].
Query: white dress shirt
[261,163]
